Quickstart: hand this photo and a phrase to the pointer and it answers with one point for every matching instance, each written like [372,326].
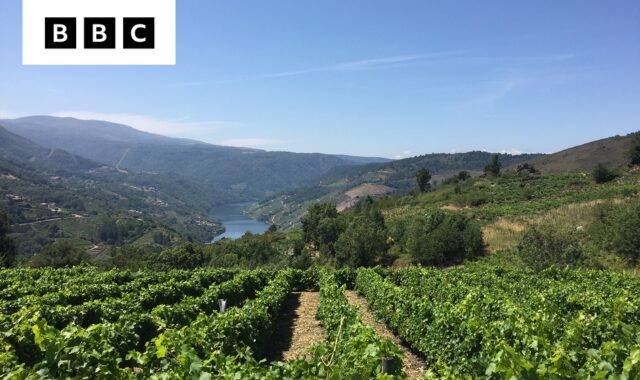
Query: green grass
[512,196]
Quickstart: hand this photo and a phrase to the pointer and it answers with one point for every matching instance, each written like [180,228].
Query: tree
[542,247]
[187,257]
[441,238]
[634,152]
[59,254]
[602,175]
[8,249]
[322,225]
[423,178]
[494,166]
[361,243]
[463,176]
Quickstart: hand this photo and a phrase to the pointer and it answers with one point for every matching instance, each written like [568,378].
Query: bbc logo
[100,33]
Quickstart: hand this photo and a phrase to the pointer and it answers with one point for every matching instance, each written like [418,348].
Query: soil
[413,365]
[297,328]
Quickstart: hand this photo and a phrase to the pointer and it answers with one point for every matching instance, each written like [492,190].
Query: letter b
[60,33]
[99,33]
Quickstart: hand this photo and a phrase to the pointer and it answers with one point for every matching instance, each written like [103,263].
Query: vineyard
[465,323]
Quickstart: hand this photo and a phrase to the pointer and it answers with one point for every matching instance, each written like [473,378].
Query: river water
[235,221]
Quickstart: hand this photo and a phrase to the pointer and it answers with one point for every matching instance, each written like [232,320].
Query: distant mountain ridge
[14,147]
[52,194]
[243,173]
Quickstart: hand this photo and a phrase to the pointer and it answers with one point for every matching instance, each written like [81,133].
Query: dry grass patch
[503,234]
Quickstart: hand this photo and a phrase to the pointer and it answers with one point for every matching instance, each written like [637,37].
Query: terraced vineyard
[464,323]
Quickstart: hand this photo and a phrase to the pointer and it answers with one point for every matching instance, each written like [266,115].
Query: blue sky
[367,77]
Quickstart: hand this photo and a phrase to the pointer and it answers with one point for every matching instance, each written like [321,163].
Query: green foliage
[59,254]
[187,257]
[463,176]
[250,251]
[129,257]
[542,247]
[288,208]
[361,243]
[470,322]
[492,323]
[423,180]
[116,232]
[627,233]
[322,225]
[353,351]
[365,240]
[634,152]
[527,170]
[494,166]
[8,249]
[162,238]
[144,324]
[440,238]
[601,174]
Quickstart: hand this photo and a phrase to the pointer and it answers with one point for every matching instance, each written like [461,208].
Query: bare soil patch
[362,191]
[297,328]
[413,365]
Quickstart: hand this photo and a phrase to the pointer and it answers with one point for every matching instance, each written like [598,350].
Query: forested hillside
[52,195]
[235,173]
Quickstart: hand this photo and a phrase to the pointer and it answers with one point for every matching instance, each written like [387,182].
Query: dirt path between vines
[297,327]
[413,366]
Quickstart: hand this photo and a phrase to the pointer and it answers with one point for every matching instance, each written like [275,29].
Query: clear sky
[368,77]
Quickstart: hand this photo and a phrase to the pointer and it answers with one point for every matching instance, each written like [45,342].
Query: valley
[235,222]
[377,264]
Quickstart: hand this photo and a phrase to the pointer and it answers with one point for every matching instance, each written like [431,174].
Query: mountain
[345,186]
[610,151]
[51,194]
[363,160]
[238,173]
[14,147]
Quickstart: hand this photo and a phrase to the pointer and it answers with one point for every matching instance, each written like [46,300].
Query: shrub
[423,179]
[188,257]
[542,247]
[634,152]
[8,251]
[60,254]
[463,175]
[494,166]
[526,169]
[602,175]
[627,237]
[441,238]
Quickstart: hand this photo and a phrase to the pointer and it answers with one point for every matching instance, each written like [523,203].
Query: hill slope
[610,151]
[345,186]
[239,173]
[14,147]
[53,194]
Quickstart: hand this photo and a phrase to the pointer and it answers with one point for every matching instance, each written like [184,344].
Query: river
[235,221]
